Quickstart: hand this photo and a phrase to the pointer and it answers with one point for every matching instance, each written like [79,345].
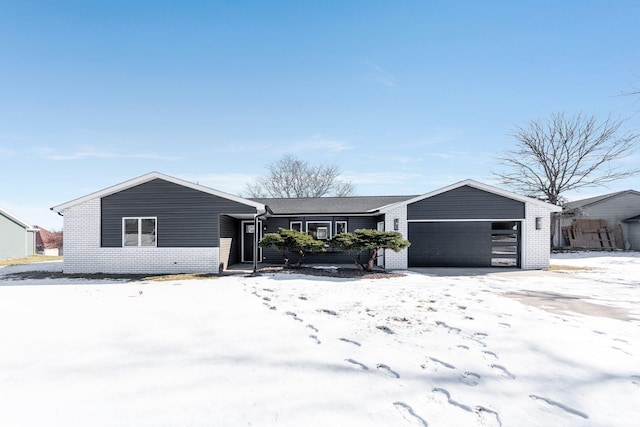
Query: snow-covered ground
[457,348]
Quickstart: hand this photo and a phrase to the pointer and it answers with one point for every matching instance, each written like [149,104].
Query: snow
[436,347]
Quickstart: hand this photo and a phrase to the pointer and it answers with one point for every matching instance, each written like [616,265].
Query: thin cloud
[317,142]
[95,153]
[379,75]
[248,148]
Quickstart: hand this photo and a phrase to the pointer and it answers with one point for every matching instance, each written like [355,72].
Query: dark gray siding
[186,217]
[332,256]
[450,244]
[466,203]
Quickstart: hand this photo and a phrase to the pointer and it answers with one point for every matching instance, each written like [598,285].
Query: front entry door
[248,239]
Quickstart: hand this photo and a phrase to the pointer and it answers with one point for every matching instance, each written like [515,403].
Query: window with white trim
[139,232]
[341,227]
[295,225]
[320,230]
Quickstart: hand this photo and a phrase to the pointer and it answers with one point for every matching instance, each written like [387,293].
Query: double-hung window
[139,231]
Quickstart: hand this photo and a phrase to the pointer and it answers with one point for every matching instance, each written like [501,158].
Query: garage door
[464,244]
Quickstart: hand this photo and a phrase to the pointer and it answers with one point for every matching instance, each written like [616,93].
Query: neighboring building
[48,243]
[612,216]
[17,238]
[159,224]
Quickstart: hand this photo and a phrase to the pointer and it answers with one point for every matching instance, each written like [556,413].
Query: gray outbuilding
[17,238]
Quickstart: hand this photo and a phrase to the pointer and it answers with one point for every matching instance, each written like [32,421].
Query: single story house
[613,217]
[160,224]
[17,238]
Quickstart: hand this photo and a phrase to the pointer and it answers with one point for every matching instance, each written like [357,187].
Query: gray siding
[186,217]
[332,256]
[634,236]
[13,239]
[466,203]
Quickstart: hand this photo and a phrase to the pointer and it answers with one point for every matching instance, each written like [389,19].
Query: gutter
[256,235]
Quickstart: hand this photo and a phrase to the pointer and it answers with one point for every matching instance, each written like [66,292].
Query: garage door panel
[450,244]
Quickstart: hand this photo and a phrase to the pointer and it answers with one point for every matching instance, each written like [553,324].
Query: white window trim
[327,223]
[295,222]
[336,227]
[139,219]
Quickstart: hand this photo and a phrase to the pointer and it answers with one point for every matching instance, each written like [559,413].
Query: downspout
[256,236]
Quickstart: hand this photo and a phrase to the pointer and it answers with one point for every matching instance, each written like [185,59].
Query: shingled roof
[591,200]
[328,205]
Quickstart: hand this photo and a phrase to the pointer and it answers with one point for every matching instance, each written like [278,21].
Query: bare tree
[560,154]
[290,177]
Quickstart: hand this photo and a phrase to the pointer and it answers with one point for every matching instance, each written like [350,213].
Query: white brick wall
[83,253]
[536,244]
[396,260]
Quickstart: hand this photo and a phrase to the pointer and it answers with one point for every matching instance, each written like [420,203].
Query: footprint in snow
[635,379]
[446,395]
[409,414]
[385,329]
[489,354]
[560,405]
[387,370]
[503,371]
[330,312]
[267,289]
[469,378]
[315,338]
[449,328]
[463,347]
[293,315]
[488,417]
[439,363]
[313,328]
[350,341]
[504,325]
[357,364]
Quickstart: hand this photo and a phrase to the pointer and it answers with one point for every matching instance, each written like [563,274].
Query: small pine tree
[291,241]
[372,240]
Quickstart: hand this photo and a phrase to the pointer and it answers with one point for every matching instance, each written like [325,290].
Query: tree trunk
[372,259]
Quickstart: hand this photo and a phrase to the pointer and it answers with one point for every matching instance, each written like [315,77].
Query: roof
[150,177]
[591,200]
[329,205]
[483,187]
[17,220]
[632,219]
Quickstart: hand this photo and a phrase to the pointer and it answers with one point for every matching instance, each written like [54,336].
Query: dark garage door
[450,244]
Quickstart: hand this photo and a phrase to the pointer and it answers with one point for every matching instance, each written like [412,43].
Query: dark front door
[248,240]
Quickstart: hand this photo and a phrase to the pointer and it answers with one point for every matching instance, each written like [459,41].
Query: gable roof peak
[150,177]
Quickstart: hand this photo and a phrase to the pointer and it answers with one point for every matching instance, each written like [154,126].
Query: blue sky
[406,97]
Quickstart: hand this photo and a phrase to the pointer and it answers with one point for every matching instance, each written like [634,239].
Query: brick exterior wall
[396,260]
[83,253]
[536,244]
